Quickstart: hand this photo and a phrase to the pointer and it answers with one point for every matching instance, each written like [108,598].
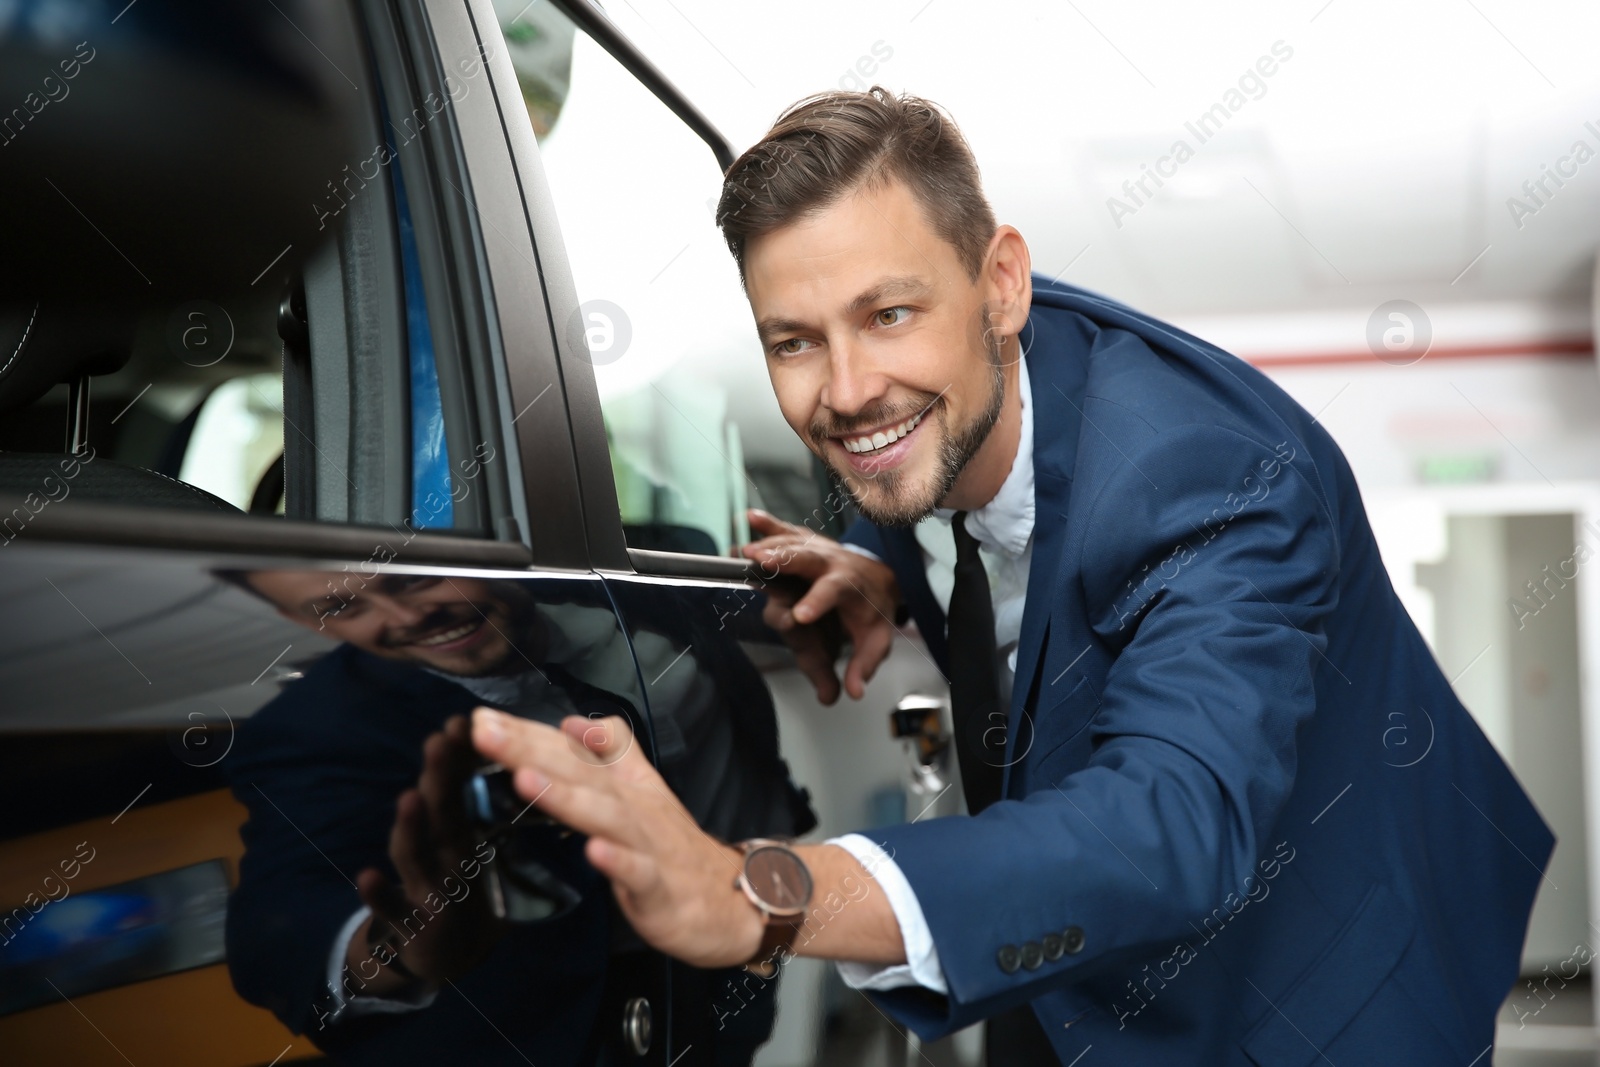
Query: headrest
[42,345]
[174,151]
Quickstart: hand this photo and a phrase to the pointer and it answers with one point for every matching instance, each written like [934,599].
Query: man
[1190,844]
[362,914]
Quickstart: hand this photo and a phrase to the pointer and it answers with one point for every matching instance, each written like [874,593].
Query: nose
[853,381]
[399,611]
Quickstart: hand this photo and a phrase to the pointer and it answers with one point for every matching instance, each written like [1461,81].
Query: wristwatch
[776,880]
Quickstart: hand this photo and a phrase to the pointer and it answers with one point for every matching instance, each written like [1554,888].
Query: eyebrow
[310,606]
[896,288]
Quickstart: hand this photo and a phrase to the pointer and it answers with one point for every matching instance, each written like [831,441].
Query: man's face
[462,626]
[878,348]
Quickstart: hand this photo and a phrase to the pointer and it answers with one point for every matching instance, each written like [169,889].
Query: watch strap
[777,943]
[778,936]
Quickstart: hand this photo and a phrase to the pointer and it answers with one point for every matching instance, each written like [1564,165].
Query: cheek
[362,633]
[943,361]
[796,397]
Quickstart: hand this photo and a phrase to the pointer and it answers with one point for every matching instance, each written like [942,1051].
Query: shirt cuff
[364,1005]
[922,958]
[858,550]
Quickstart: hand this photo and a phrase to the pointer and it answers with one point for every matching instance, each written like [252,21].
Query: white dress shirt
[1003,529]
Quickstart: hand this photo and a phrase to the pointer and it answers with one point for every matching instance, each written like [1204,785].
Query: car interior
[263,342]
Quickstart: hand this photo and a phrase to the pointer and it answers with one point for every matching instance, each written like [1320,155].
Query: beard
[886,498]
[507,612]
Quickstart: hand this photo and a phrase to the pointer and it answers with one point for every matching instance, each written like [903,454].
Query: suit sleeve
[864,536]
[1209,567]
[315,821]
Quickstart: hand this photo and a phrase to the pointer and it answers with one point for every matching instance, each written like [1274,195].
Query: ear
[1008,281]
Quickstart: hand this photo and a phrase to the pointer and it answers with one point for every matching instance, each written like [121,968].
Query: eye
[336,608]
[891,316]
[792,347]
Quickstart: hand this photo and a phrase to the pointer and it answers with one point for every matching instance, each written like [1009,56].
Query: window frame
[602,515]
[480,309]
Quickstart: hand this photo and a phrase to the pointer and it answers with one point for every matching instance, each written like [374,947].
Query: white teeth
[449,635]
[881,439]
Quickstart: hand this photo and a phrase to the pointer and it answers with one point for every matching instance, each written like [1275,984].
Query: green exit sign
[1456,470]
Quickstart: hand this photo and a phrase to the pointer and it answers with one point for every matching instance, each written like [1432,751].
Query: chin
[894,500]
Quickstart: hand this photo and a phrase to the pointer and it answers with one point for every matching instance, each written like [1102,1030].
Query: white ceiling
[1374,164]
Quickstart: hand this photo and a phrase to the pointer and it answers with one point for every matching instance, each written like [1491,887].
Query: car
[361,363]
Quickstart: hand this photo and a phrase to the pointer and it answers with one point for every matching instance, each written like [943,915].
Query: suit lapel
[1057,373]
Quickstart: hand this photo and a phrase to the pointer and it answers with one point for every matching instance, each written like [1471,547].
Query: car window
[290,370]
[694,432]
[236,443]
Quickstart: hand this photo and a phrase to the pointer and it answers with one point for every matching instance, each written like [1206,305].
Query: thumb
[605,740]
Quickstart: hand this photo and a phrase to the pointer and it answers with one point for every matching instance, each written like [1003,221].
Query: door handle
[918,720]
[636,1022]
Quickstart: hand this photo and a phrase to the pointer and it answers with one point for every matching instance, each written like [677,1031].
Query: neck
[983,475]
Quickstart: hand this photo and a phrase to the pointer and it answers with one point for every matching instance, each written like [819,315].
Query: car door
[676,433]
[265,531]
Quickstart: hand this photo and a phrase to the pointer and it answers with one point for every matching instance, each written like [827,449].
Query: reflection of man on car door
[362,915]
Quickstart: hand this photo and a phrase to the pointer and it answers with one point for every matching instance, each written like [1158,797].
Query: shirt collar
[1005,524]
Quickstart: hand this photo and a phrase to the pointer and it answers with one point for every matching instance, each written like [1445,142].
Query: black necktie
[1013,1038]
[980,719]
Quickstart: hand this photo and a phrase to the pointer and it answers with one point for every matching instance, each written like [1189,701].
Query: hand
[862,591]
[431,846]
[673,881]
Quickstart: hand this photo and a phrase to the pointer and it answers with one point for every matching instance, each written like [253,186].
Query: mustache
[447,617]
[881,415]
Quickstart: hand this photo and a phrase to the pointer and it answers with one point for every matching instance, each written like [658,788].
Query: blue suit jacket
[320,768]
[328,758]
[1239,784]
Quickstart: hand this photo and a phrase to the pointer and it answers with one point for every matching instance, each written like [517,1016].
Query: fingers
[608,737]
[591,746]
[815,659]
[410,845]
[635,872]
[815,663]
[821,598]
[776,613]
[872,646]
[789,556]
[559,772]
[514,742]
[447,763]
[769,525]
[387,901]
[610,743]
[605,809]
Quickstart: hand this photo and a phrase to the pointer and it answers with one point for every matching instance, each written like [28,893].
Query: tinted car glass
[689,414]
[237,735]
[216,297]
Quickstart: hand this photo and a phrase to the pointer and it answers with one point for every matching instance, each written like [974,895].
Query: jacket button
[1072,939]
[1054,946]
[1009,959]
[1032,955]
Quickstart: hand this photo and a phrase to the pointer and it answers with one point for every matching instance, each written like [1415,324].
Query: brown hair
[830,144]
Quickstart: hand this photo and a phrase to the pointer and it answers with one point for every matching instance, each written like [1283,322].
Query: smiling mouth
[867,444]
[449,636]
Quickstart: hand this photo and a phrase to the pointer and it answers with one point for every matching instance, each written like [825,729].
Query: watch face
[778,879]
